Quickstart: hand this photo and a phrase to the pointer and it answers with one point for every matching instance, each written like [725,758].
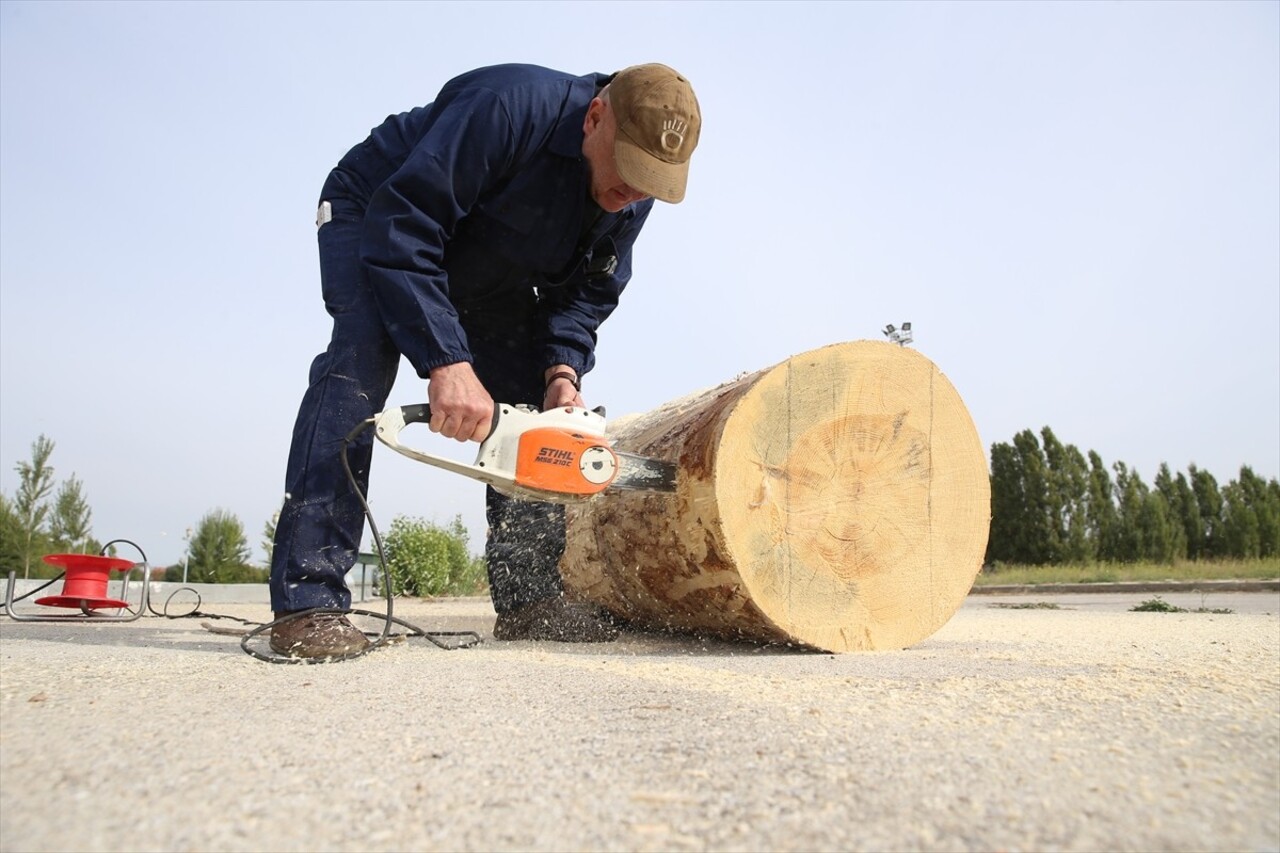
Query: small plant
[1203,609]
[1157,605]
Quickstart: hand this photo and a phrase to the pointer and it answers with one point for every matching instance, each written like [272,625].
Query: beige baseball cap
[658,127]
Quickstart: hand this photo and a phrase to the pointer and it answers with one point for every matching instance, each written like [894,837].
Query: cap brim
[646,173]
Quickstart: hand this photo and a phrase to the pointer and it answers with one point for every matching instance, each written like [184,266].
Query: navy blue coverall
[462,231]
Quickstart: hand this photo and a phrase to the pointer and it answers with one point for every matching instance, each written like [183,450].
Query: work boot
[317,635]
[557,620]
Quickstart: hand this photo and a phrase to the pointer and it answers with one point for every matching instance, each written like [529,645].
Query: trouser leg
[318,533]
[526,538]
[523,550]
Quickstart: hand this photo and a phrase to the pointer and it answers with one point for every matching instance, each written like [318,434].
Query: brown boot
[317,635]
[557,620]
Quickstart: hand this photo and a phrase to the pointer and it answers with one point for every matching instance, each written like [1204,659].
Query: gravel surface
[1081,728]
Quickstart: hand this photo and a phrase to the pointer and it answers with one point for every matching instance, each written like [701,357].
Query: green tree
[1174,497]
[269,536]
[426,559]
[219,551]
[69,524]
[1131,495]
[10,537]
[1157,531]
[1209,502]
[1269,519]
[1188,511]
[1103,517]
[1055,501]
[1241,535]
[1008,506]
[1262,499]
[1068,501]
[1036,539]
[32,503]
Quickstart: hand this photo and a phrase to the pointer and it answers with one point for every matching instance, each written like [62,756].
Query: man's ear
[595,115]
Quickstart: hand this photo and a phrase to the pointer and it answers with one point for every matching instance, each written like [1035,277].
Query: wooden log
[838,500]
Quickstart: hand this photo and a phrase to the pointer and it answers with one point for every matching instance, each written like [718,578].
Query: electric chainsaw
[560,455]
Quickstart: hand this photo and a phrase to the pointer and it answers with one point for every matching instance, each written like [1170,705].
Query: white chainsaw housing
[498,458]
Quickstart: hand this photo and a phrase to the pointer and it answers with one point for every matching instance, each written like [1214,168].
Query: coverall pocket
[342,279]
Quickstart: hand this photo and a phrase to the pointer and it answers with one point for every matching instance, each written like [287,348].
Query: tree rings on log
[838,500]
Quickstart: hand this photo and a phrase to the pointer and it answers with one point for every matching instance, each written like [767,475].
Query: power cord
[30,593]
[448,640]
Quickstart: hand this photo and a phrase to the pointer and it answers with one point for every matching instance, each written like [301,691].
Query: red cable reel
[85,584]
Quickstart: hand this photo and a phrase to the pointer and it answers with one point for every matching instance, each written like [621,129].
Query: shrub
[425,559]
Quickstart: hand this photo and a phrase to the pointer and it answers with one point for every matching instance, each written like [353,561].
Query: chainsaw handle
[421,413]
[417,413]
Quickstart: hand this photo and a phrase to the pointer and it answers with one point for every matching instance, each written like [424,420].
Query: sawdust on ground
[1070,729]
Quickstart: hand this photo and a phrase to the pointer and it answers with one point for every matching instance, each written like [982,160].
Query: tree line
[1050,504]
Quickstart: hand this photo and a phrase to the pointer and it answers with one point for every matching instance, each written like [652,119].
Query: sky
[1076,205]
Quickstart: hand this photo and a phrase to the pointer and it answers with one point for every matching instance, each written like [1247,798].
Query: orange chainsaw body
[564,462]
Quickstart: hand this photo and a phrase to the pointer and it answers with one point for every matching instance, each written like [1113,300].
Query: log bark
[838,500]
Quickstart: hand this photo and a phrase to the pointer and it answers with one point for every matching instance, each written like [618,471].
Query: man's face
[607,188]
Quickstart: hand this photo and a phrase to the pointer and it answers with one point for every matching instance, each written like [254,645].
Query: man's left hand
[560,392]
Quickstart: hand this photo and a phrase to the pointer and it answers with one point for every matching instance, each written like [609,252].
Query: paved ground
[1080,728]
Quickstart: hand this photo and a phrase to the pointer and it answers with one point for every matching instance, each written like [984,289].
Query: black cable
[385,637]
[146,574]
[34,591]
[102,552]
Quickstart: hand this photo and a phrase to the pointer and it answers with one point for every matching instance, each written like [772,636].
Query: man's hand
[560,392]
[460,406]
